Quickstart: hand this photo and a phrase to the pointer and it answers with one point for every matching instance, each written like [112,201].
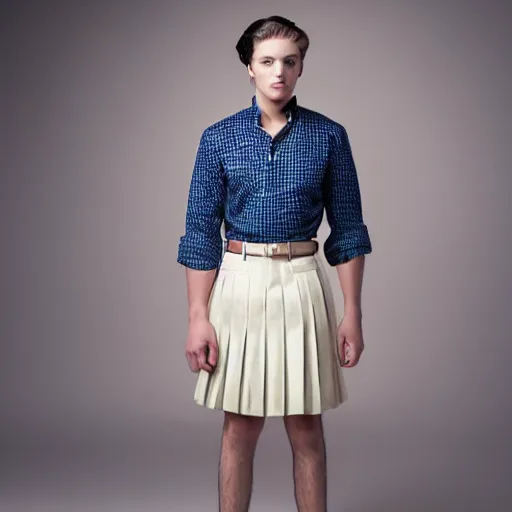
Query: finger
[207,365]
[201,360]
[358,353]
[212,353]
[192,362]
[343,353]
[349,355]
[352,357]
[341,350]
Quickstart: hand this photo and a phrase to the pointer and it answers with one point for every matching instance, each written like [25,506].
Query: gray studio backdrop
[103,105]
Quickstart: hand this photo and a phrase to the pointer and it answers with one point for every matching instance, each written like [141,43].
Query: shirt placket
[271,144]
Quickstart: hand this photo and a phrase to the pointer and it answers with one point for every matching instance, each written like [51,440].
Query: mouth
[278,85]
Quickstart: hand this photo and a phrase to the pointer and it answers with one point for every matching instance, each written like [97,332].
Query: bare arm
[199,287]
[350,333]
[201,347]
[350,276]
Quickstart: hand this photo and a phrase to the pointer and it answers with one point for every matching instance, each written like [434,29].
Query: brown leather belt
[269,250]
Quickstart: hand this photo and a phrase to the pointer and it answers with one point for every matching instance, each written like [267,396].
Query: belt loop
[289,251]
[224,248]
[244,251]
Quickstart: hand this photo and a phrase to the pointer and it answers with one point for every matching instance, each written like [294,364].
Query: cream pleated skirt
[276,326]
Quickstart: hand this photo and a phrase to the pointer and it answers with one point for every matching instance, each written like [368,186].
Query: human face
[275,67]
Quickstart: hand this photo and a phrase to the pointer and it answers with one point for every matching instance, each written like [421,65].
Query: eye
[290,63]
[266,62]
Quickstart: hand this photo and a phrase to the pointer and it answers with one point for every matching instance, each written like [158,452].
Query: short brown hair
[266,28]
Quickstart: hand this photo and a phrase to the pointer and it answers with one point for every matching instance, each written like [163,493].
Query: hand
[350,341]
[201,348]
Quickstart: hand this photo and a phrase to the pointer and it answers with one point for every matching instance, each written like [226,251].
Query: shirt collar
[290,109]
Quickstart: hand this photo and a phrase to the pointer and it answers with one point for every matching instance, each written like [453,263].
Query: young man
[262,328]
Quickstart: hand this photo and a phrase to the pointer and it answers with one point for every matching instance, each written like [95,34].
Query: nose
[278,70]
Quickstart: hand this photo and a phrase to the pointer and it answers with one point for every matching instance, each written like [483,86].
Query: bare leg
[239,438]
[306,436]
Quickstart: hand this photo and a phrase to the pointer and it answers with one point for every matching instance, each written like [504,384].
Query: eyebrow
[287,56]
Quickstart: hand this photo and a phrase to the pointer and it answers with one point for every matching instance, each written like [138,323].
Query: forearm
[350,276]
[199,287]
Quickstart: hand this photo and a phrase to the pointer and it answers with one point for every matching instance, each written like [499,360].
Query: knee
[240,427]
[305,432]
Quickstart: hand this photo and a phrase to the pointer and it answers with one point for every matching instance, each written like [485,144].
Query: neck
[271,110]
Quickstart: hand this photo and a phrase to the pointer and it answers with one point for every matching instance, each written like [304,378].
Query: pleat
[323,335]
[217,378]
[275,355]
[276,330]
[215,311]
[293,343]
[312,384]
[252,400]
[338,377]
[328,295]
[236,361]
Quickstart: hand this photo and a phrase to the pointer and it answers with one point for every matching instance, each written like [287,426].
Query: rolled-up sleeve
[342,200]
[201,246]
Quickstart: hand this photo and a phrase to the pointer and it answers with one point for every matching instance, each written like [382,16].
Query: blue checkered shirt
[268,189]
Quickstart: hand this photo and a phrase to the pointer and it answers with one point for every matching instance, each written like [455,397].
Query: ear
[251,72]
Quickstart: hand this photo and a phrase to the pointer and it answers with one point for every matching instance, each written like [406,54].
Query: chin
[278,94]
